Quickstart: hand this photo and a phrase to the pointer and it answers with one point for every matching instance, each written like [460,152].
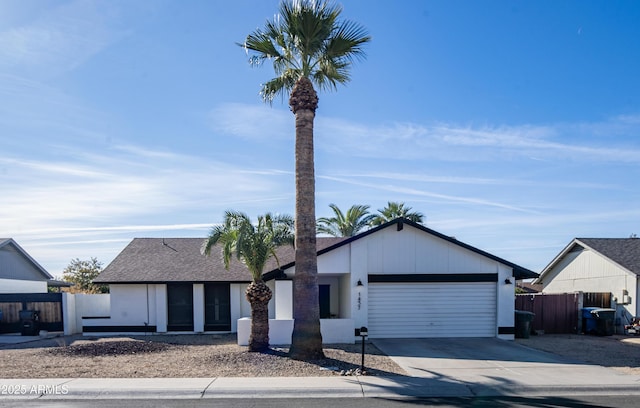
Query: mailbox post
[364,332]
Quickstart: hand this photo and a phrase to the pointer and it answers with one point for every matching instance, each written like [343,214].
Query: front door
[217,307]
[325,301]
[180,307]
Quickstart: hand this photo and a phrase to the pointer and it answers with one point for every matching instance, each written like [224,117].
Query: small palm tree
[308,45]
[395,210]
[253,245]
[355,220]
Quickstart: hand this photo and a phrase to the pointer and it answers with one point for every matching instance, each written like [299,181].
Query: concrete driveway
[488,366]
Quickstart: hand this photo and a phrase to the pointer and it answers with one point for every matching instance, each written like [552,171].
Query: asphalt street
[593,401]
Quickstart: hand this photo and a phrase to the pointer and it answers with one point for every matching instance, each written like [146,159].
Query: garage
[432,309]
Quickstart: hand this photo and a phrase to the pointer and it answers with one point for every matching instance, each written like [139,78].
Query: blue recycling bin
[598,321]
[589,325]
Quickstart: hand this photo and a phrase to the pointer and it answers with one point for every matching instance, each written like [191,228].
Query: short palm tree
[395,210]
[253,245]
[355,220]
[308,46]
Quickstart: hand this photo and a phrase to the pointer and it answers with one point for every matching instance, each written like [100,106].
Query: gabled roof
[624,252]
[156,260]
[4,242]
[518,271]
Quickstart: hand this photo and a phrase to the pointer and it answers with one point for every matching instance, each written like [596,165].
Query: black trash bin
[604,321]
[29,322]
[523,323]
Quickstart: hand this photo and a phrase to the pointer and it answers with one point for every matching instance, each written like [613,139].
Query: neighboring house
[400,279]
[597,265]
[19,272]
[527,287]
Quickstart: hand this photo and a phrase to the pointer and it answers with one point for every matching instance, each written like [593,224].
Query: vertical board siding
[405,310]
[10,312]
[554,313]
[413,251]
[50,312]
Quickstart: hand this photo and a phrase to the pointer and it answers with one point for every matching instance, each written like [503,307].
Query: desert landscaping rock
[172,356]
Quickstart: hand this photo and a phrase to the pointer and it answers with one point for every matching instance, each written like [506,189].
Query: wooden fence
[560,313]
[48,304]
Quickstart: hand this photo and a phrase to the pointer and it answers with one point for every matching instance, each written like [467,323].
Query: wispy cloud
[252,122]
[594,141]
[418,193]
[448,180]
[87,189]
[61,38]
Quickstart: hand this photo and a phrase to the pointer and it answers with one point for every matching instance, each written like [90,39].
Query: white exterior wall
[22,286]
[506,300]
[283,299]
[129,305]
[359,294]
[272,303]
[135,304]
[334,331]
[93,305]
[336,261]
[587,271]
[413,251]
[345,297]
[159,308]
[69,322]
[240,307]
[198,307]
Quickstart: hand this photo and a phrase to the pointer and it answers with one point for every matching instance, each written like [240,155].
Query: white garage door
[418,309]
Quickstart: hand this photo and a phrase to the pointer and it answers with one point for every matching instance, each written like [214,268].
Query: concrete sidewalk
[223,387]
[435,368]
[288,387]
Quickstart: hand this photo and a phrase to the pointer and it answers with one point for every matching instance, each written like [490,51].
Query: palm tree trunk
[258,294]
[306,340]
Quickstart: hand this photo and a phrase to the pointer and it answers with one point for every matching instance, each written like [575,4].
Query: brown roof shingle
[624,251]
[155,260]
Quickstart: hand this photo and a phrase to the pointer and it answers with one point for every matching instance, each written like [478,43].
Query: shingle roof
[623,251]
[155,260]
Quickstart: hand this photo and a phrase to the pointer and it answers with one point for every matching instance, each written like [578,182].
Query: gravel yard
[176,356]
[619,352]
[220,356]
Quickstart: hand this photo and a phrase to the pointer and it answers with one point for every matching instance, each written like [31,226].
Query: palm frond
[306,39]
[252,244]
[355,220]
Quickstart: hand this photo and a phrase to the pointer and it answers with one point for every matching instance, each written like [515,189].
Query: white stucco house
[400,279]
[597,265]
[19,272]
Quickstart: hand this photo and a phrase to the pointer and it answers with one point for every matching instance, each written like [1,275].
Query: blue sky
[512,125]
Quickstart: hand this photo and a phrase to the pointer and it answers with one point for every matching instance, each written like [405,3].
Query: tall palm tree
[395,210]
[355,220]
[253,245]
[308,46]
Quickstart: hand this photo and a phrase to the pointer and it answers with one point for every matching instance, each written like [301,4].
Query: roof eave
[518,271]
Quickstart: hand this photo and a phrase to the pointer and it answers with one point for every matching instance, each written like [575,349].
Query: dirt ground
[619,352]
[220,356]
[177,356]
